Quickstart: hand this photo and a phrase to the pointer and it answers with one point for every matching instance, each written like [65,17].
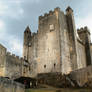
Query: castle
[56,47]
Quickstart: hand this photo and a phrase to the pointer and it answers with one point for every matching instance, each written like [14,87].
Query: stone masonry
[12,66]
[7,85]
[57,46]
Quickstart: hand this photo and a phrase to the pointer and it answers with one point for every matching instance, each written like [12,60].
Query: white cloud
[15,46]
[3,8]
[85,21]
[2,24]
[11,8]
[21,11]
[2,29]
[18,1]
[12,44]
[19,14]
[34,1]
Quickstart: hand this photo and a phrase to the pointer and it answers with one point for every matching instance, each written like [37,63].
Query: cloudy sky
[15,15]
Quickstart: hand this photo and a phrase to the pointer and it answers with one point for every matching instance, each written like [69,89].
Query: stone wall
[26,69]
[64,45]
[55,80]
[32,54]
[84,35]
[48,59]
[82,76]
[50,46]
[27,37]
[54,48]
[81,55]
[91,52]
[2,60]
[7,85]
[13,66]
[72,37]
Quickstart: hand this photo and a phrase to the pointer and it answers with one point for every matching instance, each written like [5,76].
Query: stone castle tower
[57,46]
[27,37]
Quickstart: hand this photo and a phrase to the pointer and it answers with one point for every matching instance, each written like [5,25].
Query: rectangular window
[51,27]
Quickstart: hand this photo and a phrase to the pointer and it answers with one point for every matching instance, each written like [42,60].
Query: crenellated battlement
[83,29]
[33,34]
[46,15]
[14,56]
[21,58]
[8,53]
[17,57]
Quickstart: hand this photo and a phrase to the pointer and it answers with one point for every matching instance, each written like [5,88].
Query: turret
[46,16]
[72,37]
[27,38]
[84,35]
[27,35]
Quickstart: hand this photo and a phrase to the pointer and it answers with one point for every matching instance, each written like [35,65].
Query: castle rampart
[11,66]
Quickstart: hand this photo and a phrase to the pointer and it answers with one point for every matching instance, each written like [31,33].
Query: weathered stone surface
[57,47]
[55,80]
[91,51]
[84,35]
[82,77]
[12,66]
[7,85]
[81,56]
[2,60]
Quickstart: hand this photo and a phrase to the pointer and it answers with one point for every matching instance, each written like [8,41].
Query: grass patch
[40,90]
[59,90]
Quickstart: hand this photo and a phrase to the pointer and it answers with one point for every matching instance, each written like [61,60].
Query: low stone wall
[7,85]
[82,76]
[55,80]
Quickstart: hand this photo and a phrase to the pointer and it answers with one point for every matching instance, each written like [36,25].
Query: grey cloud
[15,26]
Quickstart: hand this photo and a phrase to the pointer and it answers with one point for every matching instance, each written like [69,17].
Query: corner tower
[84,35]
[27,38]
[53,43]
[72,37]
[49,43]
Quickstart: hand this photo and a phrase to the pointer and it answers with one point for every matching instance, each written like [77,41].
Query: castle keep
[57,46]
